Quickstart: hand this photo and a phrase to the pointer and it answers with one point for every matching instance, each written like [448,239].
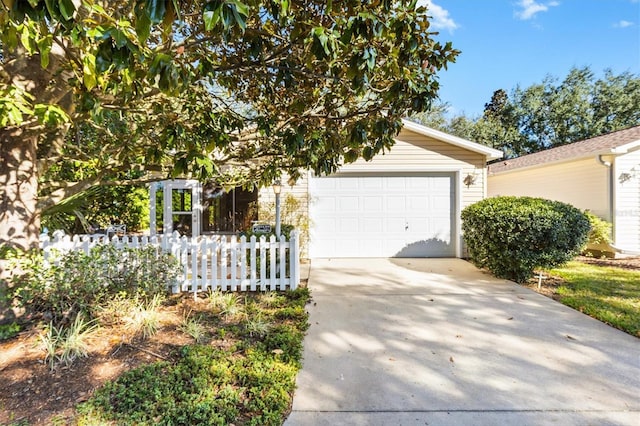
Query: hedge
[512,236]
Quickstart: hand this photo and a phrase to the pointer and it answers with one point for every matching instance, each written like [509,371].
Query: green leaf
[67,9]
[156,9]
[44,46]
[26,39]
[242,8]
[119,37]
[50,114]
[240,19]
[89,71]
[104,57]
[53,8]
[143,27]
[211,18]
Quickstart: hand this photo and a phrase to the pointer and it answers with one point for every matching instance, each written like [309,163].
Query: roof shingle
[599,145]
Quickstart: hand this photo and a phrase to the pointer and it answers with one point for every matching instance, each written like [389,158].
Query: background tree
[165,86]
[549,114]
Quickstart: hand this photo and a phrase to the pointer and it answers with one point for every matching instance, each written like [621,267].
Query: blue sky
[506,43]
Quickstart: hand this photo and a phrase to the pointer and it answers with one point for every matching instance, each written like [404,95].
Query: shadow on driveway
[436,341]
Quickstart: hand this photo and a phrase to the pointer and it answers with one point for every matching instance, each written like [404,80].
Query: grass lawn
[609,294]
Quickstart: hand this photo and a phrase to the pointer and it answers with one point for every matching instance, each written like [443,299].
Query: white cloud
[530,8]
[441,18]
[623,24]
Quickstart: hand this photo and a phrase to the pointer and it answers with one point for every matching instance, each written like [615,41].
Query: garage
[383,215]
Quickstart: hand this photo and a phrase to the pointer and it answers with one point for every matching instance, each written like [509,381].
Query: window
[231,211]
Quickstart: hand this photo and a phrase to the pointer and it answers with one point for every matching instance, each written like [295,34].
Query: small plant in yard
[194,328]
[50,341]
[116,310]
[79,283]
[600,232]
[7,331]
[227,304]
[249,380]
[256,325]
[74,343]
[271,299]
[144,317]
[66,344]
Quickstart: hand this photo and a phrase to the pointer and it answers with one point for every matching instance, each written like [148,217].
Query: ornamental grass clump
[512,236]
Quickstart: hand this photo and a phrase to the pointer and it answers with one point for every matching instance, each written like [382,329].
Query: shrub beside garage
[512,236]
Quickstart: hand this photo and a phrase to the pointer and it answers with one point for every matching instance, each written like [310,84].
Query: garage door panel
[417,204]
[346,184]
[395,182]
[395,203]
[418,226]
[372,183]
[372,223]
[395,225]
[348,204]
[347,224]
[382,216]
[374,204]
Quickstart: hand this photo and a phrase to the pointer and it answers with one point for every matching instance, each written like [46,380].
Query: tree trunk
[19,219]
[19,174]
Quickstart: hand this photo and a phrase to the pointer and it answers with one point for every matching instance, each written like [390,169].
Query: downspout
[611,181]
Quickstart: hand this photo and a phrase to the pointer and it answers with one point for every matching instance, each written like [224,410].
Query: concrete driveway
[438,342]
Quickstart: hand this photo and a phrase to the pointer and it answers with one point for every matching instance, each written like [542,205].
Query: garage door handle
[406,226]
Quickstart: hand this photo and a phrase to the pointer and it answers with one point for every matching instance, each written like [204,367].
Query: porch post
[153,187]
[277,188]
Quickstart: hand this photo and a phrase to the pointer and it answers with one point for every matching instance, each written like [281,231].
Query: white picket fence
[211,262]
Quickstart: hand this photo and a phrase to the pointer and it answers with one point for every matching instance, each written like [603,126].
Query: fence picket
[206,262]
[252,266]
[272,263]
[204,267]
[194,266]
[224,281]
[263,263]
[213,249]
[243,263]
[234,263]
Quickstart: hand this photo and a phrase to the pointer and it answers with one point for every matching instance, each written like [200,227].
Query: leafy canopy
[237,91]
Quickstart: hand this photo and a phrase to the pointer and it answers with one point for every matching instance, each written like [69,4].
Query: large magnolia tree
[234,90]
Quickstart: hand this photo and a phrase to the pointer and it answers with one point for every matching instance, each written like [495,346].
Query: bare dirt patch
[32,393]
[624,263]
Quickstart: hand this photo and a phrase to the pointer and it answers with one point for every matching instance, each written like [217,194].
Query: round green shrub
[511,236]
[600,232]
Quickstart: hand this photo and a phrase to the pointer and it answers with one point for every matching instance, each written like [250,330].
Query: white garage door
[382,216]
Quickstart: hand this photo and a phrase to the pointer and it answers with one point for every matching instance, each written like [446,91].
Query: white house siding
[299,191]
[412,154]
[627,199]
[416,153]
[414,160]
[581,183]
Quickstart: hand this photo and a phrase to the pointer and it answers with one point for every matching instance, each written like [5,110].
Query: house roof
[614,143]
[490,153]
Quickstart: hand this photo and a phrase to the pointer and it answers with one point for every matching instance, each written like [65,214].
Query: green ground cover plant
[609,294]
[240,377]
[220,358]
